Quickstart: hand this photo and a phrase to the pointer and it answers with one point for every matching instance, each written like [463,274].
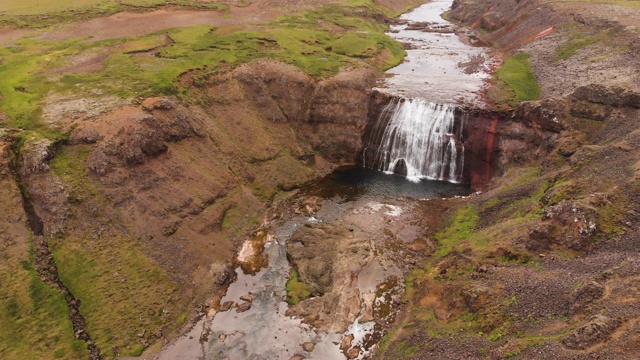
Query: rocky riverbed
[349,248]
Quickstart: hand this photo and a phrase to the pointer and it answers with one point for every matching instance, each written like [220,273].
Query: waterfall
[418,139]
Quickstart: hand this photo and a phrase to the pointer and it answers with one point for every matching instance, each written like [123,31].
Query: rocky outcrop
[596,330]
[282,92]
[330,114]
[328,258]
[130,134]
[511,23]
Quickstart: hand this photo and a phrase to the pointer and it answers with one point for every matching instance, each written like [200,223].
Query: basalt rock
[546,115]
[35,154]
[574,221]
[281,91]
[594,331]
[613,96]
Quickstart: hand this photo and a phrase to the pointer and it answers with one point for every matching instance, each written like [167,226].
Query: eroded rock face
[568,223]
[613,96]
[594,331]
[35,155]
[282,91]
[130,134]
[330,114]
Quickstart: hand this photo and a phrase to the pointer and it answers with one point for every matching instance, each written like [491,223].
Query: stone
[248,297]
[226,306]
[308,346]
[475,297]
[594,331]
[346,342]
[353,352]
[242,307]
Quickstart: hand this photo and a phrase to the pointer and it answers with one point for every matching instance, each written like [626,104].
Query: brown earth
[10,34]
[550,266]
[156,195]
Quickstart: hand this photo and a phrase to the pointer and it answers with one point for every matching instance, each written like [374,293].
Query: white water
[445,65]
[422,135]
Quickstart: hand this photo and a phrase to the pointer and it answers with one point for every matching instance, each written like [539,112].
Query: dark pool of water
[353,183]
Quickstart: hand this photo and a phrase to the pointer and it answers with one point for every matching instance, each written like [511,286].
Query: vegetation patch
[320,42]
[34,316]
[580,40]
[516,81]
[42,13]
[461,228]
[297,290]
[141,299]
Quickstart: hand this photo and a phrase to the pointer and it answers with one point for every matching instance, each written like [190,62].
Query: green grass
[36,7]
[520,82]
[34,316]
[297,290]
[461,228]
[122,291]
[579,40]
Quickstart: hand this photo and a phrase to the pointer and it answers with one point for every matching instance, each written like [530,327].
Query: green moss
[580,40]
[297,290]
[136,350]
[518,80]
[611,216]
[461,228]
[139,295]
[34,315]
[320,42]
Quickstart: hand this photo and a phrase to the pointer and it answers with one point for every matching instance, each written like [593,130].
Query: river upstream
[350,236]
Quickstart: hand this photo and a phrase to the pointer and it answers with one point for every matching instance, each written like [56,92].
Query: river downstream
[352,235]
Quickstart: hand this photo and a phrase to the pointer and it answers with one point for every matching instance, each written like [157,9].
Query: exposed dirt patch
[135,24]
[9,34]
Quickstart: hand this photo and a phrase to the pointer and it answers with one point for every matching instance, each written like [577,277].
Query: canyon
[131,218]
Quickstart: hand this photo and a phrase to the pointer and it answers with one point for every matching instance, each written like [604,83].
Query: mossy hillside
[482,232]
[629,3]
[142,301]
[577,37]
[34,315]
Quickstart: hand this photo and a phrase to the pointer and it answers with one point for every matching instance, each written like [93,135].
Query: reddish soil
[136,24]
[9,34]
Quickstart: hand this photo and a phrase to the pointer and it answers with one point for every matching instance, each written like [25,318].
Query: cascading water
[418,139]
